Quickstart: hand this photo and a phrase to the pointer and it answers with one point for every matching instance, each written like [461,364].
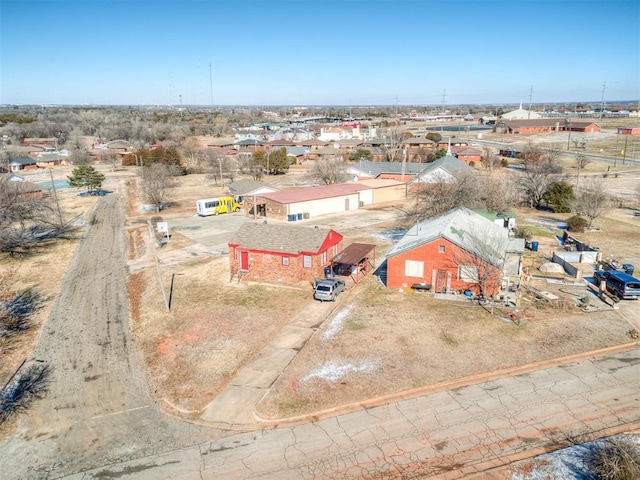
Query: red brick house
[281,253]
[628,131]
[457,251]
[544,125]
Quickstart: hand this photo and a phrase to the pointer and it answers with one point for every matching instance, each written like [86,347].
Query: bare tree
[329,170]
[156,181]
[79,156]
[498,193]
[27,217]
[490,160]
[445,194]
[229,167]
[551,153]
[536,180]
[192,153]
[592,200]
[393,145]
[481,261]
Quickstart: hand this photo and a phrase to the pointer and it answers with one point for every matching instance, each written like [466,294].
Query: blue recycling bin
[534,246]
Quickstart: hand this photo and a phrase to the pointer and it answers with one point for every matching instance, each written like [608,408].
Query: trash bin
[299,216]
[291,218]
[534,246]
[327,272]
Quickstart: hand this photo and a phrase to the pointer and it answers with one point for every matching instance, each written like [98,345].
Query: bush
[577,223]
[614,459]
[504,163]
[30,383]
[472,163]
[524,232]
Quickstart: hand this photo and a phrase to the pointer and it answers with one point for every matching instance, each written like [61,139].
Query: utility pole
[444,96]
[55,195]
[604,86]
[211,84]
[624,152]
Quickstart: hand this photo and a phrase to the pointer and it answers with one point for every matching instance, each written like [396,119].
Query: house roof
[466,151]
[448,163]
[281,143]
[350,142]
[250,141]
[22,161]
[326,151]
[374,169]
[304,194]
[417,141]
[240,187]
[297,151]
[281,238]
[312,142]
[461,226]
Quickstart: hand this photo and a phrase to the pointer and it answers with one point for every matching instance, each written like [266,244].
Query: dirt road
[98,408]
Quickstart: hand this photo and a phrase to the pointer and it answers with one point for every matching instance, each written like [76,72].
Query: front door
[346,204]
[244,260]
[441,282]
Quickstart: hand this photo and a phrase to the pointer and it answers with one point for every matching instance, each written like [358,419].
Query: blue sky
[318,52]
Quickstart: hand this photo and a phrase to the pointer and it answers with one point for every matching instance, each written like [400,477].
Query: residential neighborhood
[317,240]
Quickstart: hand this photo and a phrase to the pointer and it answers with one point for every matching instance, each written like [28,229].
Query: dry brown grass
[386,341]
[213,329]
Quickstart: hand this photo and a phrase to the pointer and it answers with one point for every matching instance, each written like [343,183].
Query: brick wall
[435,260]
[268,267]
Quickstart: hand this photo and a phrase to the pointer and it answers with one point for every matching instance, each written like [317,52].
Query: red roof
[304,194]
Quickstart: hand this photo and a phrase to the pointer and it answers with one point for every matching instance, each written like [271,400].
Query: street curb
[265,424]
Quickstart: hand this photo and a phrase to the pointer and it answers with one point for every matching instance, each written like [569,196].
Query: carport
[355,259]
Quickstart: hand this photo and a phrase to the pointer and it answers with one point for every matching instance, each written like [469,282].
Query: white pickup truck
[328,289]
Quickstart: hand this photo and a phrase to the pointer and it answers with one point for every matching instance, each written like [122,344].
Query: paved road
[448,434]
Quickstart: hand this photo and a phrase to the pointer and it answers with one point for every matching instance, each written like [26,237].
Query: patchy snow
[392,235]
[332,372]
[565,464]
[336,323]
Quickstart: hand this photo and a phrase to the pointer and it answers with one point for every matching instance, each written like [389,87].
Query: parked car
[620,284]
[328,290]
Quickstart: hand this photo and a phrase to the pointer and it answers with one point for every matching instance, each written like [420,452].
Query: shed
[354,260]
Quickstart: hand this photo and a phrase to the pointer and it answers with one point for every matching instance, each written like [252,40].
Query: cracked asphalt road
[99,422]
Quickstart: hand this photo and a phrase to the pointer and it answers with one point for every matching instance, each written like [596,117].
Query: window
[413,268]
[468,273]
[306,261]
[441,248]
[324,258]
[285,260]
